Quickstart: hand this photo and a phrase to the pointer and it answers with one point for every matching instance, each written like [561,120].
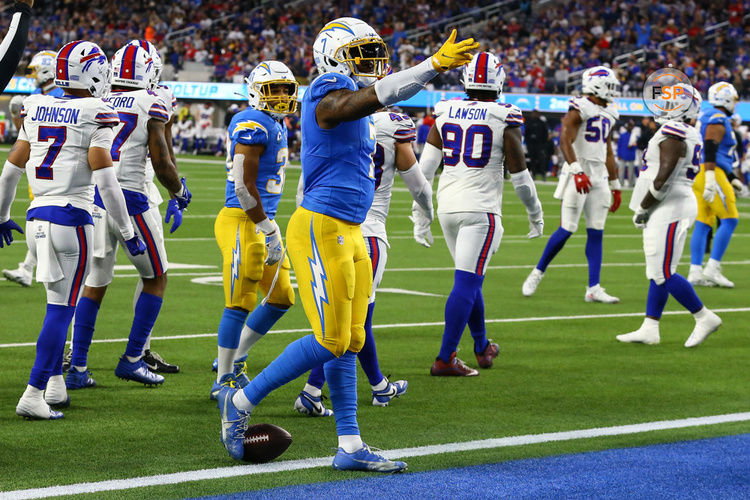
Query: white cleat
[712,274]
[695,277]
[705,326]
[532,281]
[648,336]
[597,294]
[36,409]
[56,394]
[22,275]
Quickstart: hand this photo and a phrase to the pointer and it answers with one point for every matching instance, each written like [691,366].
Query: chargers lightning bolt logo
[319,278]
[236,261]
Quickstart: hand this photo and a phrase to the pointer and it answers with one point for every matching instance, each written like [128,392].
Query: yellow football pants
[334,277]
[243,252]
[724,204]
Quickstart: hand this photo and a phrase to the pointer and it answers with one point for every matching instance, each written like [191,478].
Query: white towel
[48,268]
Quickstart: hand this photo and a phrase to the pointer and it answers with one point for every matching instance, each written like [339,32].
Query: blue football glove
[173,209]
[135,246]
[184,196]
[6,231]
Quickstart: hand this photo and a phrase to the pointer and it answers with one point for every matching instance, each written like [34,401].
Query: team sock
[316,379]
[230,327]
[341,374]
[722,238]
[594,250]
[50,343]
[476,323]
[657,299]
[684,293]
[350,443]
[83,331]
[146,311]
[457,310]
[368,355]
[312,390]
[258,324]
[698,243]
[554,245]
[298,357]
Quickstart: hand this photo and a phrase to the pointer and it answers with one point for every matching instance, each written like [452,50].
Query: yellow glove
[453,55]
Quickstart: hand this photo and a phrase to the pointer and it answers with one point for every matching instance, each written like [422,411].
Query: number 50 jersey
[472,132]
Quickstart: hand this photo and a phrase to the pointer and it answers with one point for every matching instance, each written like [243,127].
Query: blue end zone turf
[707,468]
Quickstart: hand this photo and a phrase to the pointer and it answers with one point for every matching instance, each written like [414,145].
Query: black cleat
[157,364]
[66,360]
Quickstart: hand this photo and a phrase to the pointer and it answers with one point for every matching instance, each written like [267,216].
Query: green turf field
[552,375]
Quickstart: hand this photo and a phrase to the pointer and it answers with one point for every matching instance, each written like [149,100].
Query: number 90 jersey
[591,140]
[253,127]
[679,186]
[60,132]
[472,133]
[390,128]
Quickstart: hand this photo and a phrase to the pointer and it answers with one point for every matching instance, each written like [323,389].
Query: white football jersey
[185,129]
[679,185]
[60,131]
[590,143]
[389,128]
[166,95]
[130,147]
[472,132]
[206,115]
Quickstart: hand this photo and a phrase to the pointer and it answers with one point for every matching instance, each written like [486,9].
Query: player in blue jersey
[715,188]
[256,162]
[42,67]
[326,246]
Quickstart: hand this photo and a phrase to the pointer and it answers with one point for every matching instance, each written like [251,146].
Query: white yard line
[417,325]
[418,451]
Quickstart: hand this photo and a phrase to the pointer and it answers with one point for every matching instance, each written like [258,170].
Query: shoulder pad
[717,118]
[159,110]
[675,129]
[105,115]
[329,82]
[441,107]
[250,130]
[509,113]
[611,110]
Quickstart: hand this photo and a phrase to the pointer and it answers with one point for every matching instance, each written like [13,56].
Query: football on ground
[264,442]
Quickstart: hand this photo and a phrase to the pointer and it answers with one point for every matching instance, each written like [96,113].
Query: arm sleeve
[8,182]
[400,86]
[420,189]
[526,191]
[114,201]
[12,46]
[430,161]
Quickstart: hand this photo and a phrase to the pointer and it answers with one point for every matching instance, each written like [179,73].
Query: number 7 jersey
[472,133]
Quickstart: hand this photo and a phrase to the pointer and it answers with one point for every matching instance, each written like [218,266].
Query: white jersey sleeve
[590,144]
[472,133]
[390,128]
[59,131]
[130,147]
[678,186]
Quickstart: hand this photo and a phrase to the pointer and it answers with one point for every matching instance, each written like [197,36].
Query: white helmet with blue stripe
[353,48]
[484,72]
[723,94]
[685,105]
[42,66]
[153,52]
[601,82]
[82,65]
[132,66]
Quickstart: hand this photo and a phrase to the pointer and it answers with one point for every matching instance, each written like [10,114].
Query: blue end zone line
[698,469]
[310,463]
[417,325]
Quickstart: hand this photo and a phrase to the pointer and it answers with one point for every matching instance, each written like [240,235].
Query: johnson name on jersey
[253,127]
[679,184]
[472,132]
[390,128]
[597,122]
[60,131]
[130,146]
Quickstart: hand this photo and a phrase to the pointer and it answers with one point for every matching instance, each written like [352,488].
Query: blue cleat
[137,372]
[79,380]
[227,380]
[311,405]
[392,390]
[215,365]
[364,459]
[234,423]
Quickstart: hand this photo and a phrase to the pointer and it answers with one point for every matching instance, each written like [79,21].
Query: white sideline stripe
[415,325]
[418,451]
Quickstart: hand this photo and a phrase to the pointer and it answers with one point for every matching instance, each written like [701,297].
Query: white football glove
[422,232]
[274,248]
[536,225]
[738,186]
[640,219]
[710,187]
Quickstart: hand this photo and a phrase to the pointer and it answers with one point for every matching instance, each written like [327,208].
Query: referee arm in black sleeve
[12,46]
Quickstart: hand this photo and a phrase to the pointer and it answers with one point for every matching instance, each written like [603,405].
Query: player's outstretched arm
[515,161]
[11,174]
[245,164]
[670,151]
[344,105]
[408,168]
